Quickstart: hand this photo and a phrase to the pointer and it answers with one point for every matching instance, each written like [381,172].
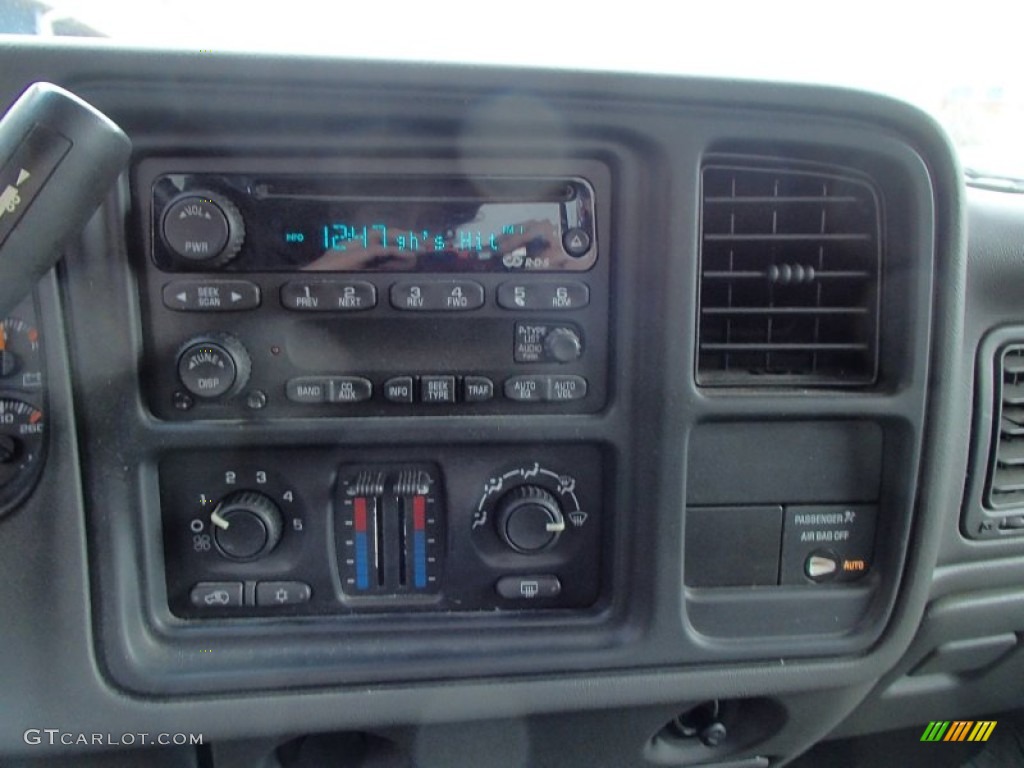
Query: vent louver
[789,278]
[1006,473]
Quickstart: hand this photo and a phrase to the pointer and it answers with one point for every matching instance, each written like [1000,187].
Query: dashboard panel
[415,402]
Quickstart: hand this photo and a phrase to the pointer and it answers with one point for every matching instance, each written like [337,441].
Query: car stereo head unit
[264,222]
[292,289]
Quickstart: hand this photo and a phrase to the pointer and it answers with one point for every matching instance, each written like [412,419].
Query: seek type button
[437,389]
[544,296]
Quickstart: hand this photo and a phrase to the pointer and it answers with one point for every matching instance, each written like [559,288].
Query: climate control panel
[338,531]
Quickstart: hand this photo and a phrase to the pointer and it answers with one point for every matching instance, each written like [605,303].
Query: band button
[308,390]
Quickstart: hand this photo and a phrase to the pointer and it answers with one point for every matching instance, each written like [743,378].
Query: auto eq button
[527,389]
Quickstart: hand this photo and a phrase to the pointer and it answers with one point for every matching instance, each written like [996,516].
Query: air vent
[1006,472]
[790,270]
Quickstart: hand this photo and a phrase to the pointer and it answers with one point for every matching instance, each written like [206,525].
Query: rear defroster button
[532,587]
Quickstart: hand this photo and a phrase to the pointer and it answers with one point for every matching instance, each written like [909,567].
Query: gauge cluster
[22,404]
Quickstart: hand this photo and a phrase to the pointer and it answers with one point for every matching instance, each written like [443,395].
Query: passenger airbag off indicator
[827,543]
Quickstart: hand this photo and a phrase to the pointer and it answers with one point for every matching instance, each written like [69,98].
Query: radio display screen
[399,224]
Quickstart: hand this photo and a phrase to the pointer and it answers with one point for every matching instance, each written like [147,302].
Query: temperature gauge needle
[7,361]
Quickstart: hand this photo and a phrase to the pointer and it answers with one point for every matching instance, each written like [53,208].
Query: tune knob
[246,525]
[212,366]
[529,519]
[203,228]
[563,345]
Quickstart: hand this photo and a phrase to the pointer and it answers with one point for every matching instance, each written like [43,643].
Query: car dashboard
[490,416]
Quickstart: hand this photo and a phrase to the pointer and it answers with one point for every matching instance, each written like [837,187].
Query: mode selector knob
[213,366]
[529,519]
[246,525]
[203,228]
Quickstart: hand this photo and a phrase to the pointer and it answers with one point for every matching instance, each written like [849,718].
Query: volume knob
[529,519]
[203,228]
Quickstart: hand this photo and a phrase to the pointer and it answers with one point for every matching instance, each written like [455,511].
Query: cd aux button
[437,296]
[349,389]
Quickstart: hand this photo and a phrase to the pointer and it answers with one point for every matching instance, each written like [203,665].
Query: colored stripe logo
[958,730]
